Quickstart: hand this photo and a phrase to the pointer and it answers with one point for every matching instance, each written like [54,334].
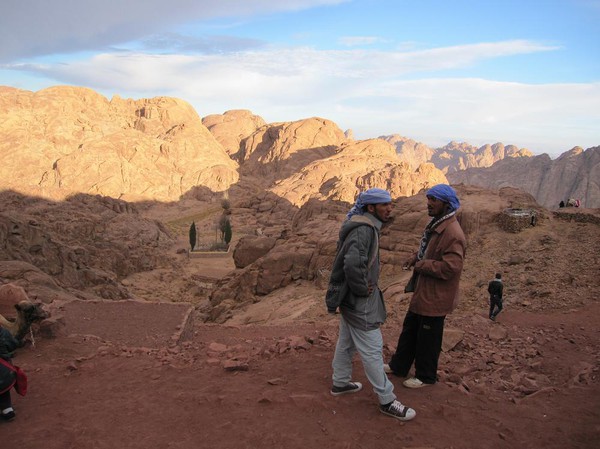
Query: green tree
[223,220]
[228,232]
[193,235]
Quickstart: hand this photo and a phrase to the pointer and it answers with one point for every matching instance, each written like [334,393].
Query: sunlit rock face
[65,140]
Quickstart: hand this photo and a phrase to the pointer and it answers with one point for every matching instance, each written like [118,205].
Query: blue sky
[523,72]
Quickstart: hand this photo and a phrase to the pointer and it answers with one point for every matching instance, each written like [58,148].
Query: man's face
[381,211]
[435,207]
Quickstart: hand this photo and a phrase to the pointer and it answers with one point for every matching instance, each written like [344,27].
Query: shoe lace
[397,407]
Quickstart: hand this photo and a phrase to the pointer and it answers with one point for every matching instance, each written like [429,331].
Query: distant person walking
[355,274]
[437,266]
[495,288]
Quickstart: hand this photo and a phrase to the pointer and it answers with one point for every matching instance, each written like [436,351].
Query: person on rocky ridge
[438,265]
[495,288]
[362,306]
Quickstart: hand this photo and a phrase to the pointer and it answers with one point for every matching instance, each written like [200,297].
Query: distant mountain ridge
[454,156]
[575,174]
[66,140]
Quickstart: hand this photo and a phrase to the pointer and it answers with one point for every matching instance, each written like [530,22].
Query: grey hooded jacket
[359,244]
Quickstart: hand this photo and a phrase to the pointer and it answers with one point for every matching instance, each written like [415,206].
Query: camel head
[30,312]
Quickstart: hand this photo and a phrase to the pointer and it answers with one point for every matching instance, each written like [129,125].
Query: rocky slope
[575,174]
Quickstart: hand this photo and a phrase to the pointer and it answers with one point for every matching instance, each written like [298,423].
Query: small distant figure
[561,204]
[495,288]
[577,202]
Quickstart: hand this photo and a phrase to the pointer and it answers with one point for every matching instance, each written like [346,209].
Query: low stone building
[515,220]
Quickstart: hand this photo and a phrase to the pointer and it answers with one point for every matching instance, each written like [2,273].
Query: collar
[374,220]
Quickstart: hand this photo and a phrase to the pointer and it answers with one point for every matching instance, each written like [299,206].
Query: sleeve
[356,260]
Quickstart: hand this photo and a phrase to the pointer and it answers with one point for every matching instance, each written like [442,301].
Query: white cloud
[355,41]
[548,118]
[374,93]
[300,74]
[38,27]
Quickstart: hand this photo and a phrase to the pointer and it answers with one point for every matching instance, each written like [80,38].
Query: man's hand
[410,262]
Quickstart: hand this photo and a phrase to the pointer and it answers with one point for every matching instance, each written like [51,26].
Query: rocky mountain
[66,140]
[454,156]
[159,149]
[231,127]
[412,152]
[575,174]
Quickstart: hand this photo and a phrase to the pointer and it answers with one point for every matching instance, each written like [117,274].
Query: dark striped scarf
[428,231]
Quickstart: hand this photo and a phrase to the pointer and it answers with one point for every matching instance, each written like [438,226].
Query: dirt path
[87,393]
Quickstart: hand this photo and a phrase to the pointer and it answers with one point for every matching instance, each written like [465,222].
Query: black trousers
[420,342]
[495,302]
[5,401]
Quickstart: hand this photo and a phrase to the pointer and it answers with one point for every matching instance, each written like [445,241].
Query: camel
[27,314]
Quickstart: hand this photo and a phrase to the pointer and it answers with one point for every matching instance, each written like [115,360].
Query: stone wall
[515,220]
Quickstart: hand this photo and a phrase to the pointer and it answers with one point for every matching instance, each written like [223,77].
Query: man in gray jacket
[362,307]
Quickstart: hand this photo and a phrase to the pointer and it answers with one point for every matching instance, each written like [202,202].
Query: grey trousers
[369,345]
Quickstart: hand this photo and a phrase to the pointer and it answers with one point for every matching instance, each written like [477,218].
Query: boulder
[249,249]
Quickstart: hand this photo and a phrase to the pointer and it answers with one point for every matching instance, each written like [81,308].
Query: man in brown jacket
[437,268]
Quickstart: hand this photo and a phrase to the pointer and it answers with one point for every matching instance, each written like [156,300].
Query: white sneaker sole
[413,382]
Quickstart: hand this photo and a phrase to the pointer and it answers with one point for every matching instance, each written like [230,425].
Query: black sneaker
[351,387]
[395,409]
[8,416]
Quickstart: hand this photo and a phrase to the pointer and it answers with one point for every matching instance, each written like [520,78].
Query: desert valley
[149,344]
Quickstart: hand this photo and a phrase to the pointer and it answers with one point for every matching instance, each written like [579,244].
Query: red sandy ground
[86,393]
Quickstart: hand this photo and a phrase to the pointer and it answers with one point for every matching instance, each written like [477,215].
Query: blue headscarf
[445,193]
[371,196]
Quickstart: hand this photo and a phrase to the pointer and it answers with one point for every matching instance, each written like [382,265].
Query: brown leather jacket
[436,290]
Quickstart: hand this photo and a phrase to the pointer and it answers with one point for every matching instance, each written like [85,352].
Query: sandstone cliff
[231,127]
[65,140]
[575,174]
[355,167]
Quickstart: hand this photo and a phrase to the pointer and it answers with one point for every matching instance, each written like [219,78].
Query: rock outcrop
[279,150]
[410,151]
[231,127]
[575,174]
[65,140]
[460,156]
[79,247]
[454,156]
[354,167]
